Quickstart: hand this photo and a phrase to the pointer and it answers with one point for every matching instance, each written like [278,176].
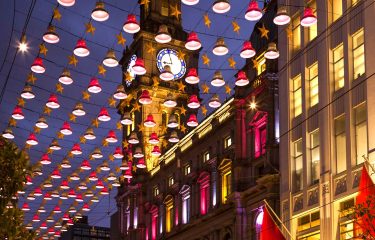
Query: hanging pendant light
[58,225]
[241,80]
[55,145]
[81,49]
[190,2]
[173,138]
[75,177]
[128,174]
[41,209]
[163,36]
[51,36]
[139,67]
[103,115]
[55,194]
[38,66]
[282,17]
[193,43]
[82,186]
[172,122]
[79,198]
[65,163]
[36,218]
[193,102]
[111,177]
[56,174]
[111,137]
[141,163]
[99,13]
[116,183]
[47,196]
[25,207]
[70,222]
[8,133]
[29,226]
[104,191]
[120,93]
[192,121]
[131,25]
[133,138]
[57,234]
[272,52]
[192,76]
[110,59]
[149,122]
[47,184]
[64,184]
[154,139]
[78,110]
[45,160]
[94,86]
[253,13]
[93,177]
[66,129]
[30,197]
[127,119]
[86,207]
[37,171]
[29,181]
[308,19]
[53,102]
[221,6]
[66,3]
[27,92]
[247,50]
[156,151]
[166,74]
[38,192]
[72,193]
[76,149]
[138,152]
[105,166]
[71,210]
[85,165]
[95,199]
[220,48]
[50,219]
[118,153]
[17,113]
[214,101]
[218,80]
[89,134]
[57,209]
[145,97]
[31,140]
[124,166]
[65,77]
[97,153]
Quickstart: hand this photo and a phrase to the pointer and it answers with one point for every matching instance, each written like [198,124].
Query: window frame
[295,91]
[314,147]
[339,81]
[313,97]
[361,48]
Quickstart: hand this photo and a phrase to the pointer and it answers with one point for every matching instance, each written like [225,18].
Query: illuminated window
[309,222]
[227,142]
[340,144]
[338,67]
[314,84]
[298,165]
[358,54]
[164,8]
[261,65]
[155,190]
[206,156]
[354,2]
[226,186]
[170,181]
[313,30]
[360,115]
[297,96]
[154,223]
[187,169]
[131,127]
[204,184]
[135,216]
[345,221]
[164,118]
[186,209]
[169,216]
[336,9]
[315,156]
[296,32]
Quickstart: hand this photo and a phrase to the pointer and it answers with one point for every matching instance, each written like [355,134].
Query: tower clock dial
[170,57]
[130,69]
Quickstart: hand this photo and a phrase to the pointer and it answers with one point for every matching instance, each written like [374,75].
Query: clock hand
[169,53]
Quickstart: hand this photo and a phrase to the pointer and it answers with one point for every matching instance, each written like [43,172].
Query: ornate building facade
[212,183]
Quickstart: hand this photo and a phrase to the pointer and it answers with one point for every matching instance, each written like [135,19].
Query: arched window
[165,7]
[258,222]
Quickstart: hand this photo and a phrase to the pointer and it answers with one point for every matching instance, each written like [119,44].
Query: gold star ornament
[207,20]
[101,69]
[205,88]
[90,28]
[59,88]
[175,11]
[86,95]
[263,31]
[228,89]
[31,78]
[120,39]
[236,27]
[111,102]
[43,49]
[206,60]
[232,62]
[72,60]
[56,14]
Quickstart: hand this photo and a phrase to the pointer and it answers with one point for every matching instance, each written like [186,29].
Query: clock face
[169,57]
[130,69]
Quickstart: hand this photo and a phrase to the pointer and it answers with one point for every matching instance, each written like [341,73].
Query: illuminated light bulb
[193,43]
[218,80]
[110,59]
[65,77]
[253,13]
[53,102]
[94,86]
[193,102]
[253,105]
[99,13]
[247,50]
[220,48]
[221,6]
[241,80]
[282,17]
[81,49]
[145,97]
[131,25]
[192,76]
[308,19]
[192,121]
[51,35]
[139,67]
[272,52]
[163,36]
[22,46]
[66,3]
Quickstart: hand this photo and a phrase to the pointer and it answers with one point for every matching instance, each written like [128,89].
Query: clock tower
[156,56]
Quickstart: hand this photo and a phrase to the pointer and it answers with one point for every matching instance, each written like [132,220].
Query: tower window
[358,54]
[313,30]
[297,96]
[165,8]
[206,156]
[187,169]
[170,181]
[296,32]
[360,114]
[314,85]
[338,67]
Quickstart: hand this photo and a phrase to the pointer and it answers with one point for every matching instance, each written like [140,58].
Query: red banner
[269,229]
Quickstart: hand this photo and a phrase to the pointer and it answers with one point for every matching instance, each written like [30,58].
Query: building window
[314,84]
[338,67]
[336,9]
[164,8]
[346,222]
[261,67]
[354,2]
[315,156]
[308,222]
[187,169]
[154,224]
[358,54]
[227,142]
[360,115]
[226,186]
[296,32]
[169,216]
[206,156]
[313,30]
[170,181]
[297,96]
[204,183]
[340,144]
[155,191]
[186,209]
[298,165]
[164,119]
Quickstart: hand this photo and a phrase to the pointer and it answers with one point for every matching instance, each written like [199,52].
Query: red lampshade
[221,6]
[247,50]
[155,151]
[192,121]
[145,97]
[51,231]
[70,222]
[118,153]
[308,19]
[65,217]
[66,129]
[99,184]
[64,184]
[99,13]
[81,49]
[79,198]
[45,159]
[38,66]
[32,139]
[29,181]
[51,35]
[141,163]
[131,25]
[149,122]
[128,174]
[17,113]
[193,102]
[36,218]
[72,193]
[103,115]
[57,209]
[53,102]
[56,174]
[154,139]
[86,207]
[192,76]
[25,207]
[193,43]
[85,165]
[139,67]
[241,80]
[93,177]
[253,13]
[66,3]
[94,86]
[104,191]
[38,192]
[76,149]
[57,234]
[111,137]
[47,196]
